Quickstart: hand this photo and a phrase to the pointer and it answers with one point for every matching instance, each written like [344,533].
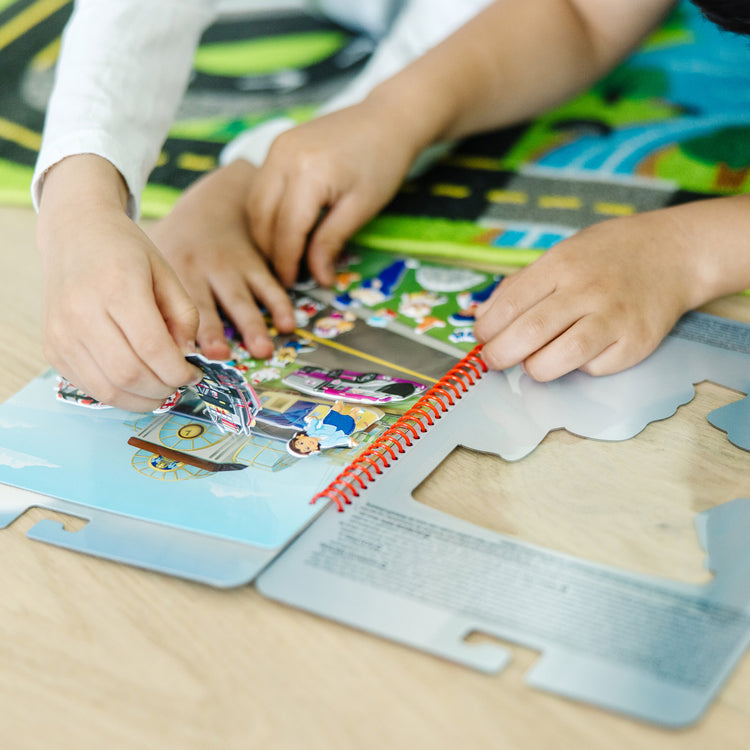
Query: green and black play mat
[671,124]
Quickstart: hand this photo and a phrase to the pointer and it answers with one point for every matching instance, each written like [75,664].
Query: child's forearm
[419,26]
[713,234]
[515,59]
[84,184]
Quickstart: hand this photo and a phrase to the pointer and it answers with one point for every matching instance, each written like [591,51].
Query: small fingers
[210,338]
[629,349]
[148,361]
[265,198]
[297,216]
[239,305]
[95,383]
[180,315]
[577,347]
[526,332]
[116,377]
[513,297]
[237,295]
[334,230]
[276,300]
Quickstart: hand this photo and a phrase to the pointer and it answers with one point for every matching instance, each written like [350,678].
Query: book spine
[364,470]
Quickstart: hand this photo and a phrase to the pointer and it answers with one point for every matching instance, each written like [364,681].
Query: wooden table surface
[99,655]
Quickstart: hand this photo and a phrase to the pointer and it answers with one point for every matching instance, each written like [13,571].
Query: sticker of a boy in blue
[332,430]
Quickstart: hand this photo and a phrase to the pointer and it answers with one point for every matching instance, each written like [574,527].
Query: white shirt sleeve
[123,68]
[418,26]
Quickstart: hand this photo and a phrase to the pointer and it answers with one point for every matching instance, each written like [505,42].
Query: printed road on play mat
[671,124]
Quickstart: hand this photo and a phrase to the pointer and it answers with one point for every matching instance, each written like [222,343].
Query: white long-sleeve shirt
[124,66]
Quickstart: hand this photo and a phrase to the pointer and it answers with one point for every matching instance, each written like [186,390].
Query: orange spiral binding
[426,415]
[397,430]
[405,431]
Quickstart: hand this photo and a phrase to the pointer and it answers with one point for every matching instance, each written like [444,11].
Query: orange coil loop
[348,472]
[358,477]
[394,440]
[415,420]
[377,450]
[364,469]
[416,408]
[429,404]
[455,379]
[467,375]
[396,428]
[388,447]
[408,423]
[330,494]
[365,458]
[351,487]
[440,390]
[475,356]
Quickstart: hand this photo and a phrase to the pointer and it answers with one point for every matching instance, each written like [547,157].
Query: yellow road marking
[474,162]
[450,191]
[357,353]
[47,57]
[560,201]
[614,209]
[11,131]
[27,19]
[196,162]
[517,197]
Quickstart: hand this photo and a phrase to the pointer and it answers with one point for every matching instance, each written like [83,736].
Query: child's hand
[600,301]
[206,238]
[322,181]
[117,322]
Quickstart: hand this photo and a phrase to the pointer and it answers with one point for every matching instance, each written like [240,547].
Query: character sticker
[333,325]
[419,305]
[66,391]
[470,300]
[462,336]
[228,398]
[331,427]
[287,353]
[304,309]
[447,278]
[381,318]
[378,289]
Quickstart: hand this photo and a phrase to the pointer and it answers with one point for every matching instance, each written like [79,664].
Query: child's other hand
[117,322]
[322,181]
[600,301]
[207,240]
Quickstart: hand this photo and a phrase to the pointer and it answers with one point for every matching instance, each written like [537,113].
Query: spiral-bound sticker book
[652,648]
[384,367]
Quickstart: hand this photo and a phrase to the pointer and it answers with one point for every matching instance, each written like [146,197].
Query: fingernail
[262,347]
[190,347]
[219,349]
